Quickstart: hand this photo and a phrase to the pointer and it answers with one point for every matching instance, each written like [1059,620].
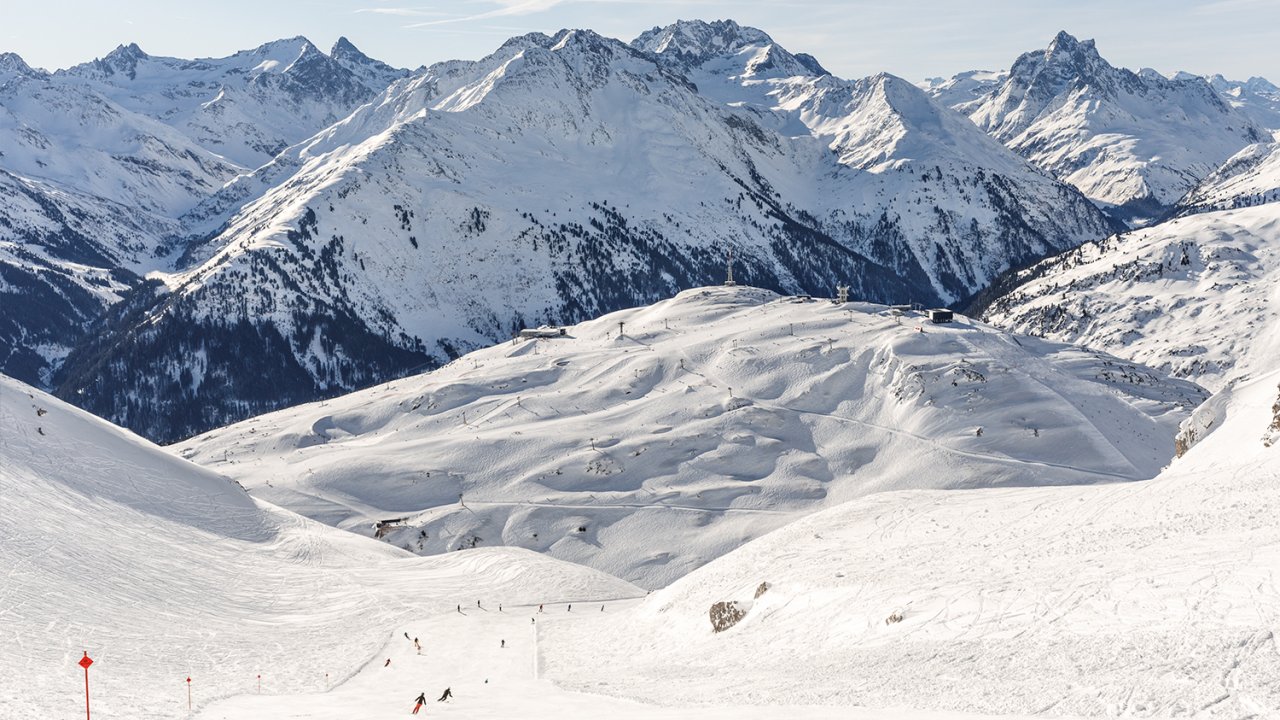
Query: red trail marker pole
[85,662]
[188,694]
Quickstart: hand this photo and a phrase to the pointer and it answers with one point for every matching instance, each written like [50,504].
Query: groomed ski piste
[650,441]
[164,571]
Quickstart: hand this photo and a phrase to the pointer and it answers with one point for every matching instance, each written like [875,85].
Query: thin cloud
[508,8]
[402,12]
[512,8]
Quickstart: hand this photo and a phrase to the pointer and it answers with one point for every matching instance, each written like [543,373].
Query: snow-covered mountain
[712,418]
[249,106]
[102,163]
[56,130]
[1250,177]
[163,570]
[1255,97]
[1134,143]
[1189,296]
[64,258]
[962,91]
[557,179]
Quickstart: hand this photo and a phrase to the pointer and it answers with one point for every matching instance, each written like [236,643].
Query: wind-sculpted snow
[558,179]
[713,418]
[1192,296]
[1152,599]
[162,570]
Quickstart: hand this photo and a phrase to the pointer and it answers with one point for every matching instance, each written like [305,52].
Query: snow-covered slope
[962,91]
[64,258]
[1131,142]
[1251,177]
[103,163]
[162,570]
[1189,296]
[1152,599]
[249,106]
[1255,97]
[59,130]
[557,179]
[716,416]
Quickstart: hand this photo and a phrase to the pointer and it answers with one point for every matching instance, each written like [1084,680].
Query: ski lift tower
[728,281]
[842,294]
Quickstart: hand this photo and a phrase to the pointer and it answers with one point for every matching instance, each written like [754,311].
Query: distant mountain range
[196,241]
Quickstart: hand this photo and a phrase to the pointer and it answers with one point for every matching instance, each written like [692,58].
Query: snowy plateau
[454,396]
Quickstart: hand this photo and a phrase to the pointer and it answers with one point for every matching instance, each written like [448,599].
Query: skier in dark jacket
[419,701]
[445,695]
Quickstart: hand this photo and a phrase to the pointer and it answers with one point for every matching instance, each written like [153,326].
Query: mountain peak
[343,46]
[130,51]
[1066,48]
[698,40]
[13,63]
[693,43]
[295,46]
[124,60]
[1067,42]
[374,74]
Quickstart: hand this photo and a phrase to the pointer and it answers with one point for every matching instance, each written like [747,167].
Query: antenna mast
[728,281]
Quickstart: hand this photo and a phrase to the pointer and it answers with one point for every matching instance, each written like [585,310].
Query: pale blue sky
[911,38]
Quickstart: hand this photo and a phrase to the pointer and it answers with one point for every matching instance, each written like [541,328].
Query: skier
[406,635]
[570,607]
[417,645]
[601,608]
[419,701]
[387,663]
[504,643]
[478,604]
[499,607]
[445,695]
[459,607]
[539,607]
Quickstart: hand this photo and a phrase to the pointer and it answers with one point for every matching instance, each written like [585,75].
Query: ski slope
[715,417]
[162,570]
[1152,599]
[465,654]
